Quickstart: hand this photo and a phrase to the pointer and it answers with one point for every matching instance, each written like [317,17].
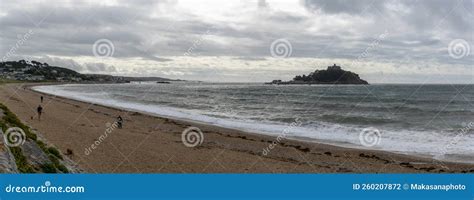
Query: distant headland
[332,75]
[24,70]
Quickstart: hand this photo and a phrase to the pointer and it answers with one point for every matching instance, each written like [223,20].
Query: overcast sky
[393,41]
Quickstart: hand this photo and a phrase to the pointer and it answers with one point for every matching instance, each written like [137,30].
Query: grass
[21,162]
[58,164]
[48,168]
[41,144]
[11,120]
[2,81]
[53,151]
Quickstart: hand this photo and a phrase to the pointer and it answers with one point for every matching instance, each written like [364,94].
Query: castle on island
[332,75]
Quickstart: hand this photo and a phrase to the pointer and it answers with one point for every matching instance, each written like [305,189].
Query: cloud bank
[384,41]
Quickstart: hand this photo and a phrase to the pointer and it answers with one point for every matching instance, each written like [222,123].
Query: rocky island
[332,75]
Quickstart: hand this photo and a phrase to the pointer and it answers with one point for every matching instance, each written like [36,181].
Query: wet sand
[151,144]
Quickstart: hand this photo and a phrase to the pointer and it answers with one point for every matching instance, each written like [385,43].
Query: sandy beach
[151,144]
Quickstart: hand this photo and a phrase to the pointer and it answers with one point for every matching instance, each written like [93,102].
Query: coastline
[152,144]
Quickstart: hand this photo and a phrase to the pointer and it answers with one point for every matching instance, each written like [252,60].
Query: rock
[34,154]
[7,161]
[72,166]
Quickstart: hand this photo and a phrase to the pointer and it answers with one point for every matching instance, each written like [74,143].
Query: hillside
[35,71]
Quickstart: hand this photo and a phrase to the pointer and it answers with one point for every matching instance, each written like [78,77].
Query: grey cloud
[250,58]
[262,4]
[344,6]
[419,15]
[99,68]
[417,30]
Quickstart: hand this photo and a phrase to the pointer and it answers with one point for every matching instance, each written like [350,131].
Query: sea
[427,120]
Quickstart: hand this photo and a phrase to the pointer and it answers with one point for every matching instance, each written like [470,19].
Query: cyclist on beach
[119,121]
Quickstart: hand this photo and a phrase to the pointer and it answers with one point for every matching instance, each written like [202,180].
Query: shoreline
[245,148]
[455,158]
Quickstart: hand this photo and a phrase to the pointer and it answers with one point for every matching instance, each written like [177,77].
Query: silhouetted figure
[119,121]
[41,99]
[40,111]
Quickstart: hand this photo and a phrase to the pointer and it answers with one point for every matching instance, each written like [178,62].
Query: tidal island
[332,75]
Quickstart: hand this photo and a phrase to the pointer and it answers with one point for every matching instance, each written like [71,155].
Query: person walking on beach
[40,111]
[41,99]
[119,121]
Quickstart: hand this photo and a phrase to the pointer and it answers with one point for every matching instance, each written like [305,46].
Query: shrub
[48,168]
[55,152]
[20,160]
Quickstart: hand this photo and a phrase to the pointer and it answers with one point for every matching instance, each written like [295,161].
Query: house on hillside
[35,78]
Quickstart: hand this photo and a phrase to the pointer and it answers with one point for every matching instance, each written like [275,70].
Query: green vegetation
[48,168]
[33,71]
[11,120]
[21,161]
[53,151]
[3,81]
[42,145]
[54,156]
[58,164]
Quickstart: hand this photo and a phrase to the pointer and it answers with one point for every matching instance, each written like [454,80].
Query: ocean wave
[330,130]
[357,119]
